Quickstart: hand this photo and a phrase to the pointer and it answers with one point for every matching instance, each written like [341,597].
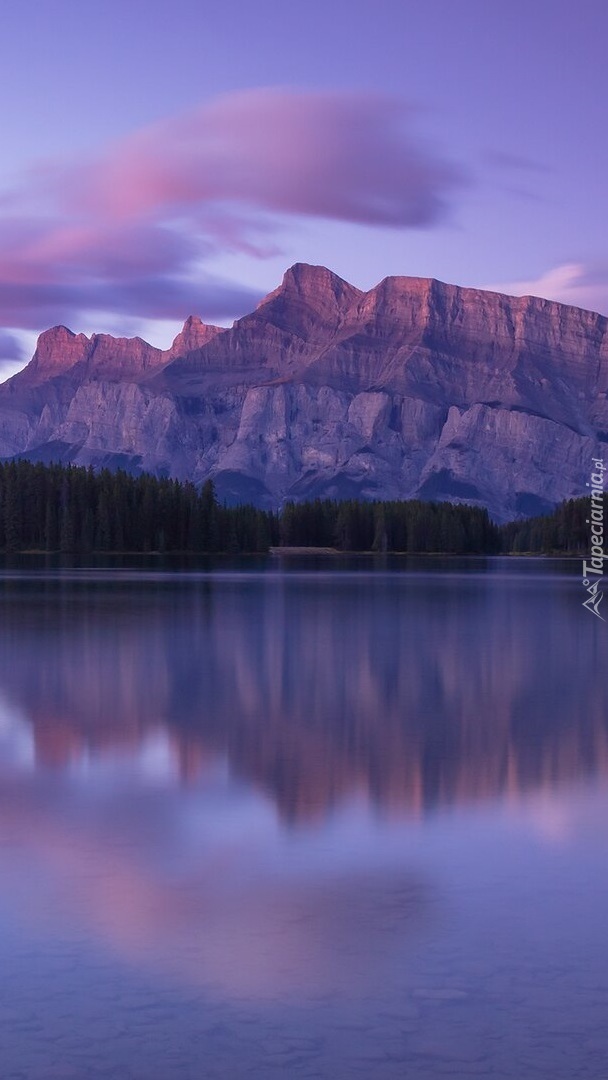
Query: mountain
[415,388]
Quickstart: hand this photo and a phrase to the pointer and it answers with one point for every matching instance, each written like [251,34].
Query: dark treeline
[76,510]
[69,509]
[389,526]
[566,530]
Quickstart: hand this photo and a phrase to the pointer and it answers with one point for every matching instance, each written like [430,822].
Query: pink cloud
[58,250]
[37,305]
[570,283]
[54,270]
[336,155]
[126,231]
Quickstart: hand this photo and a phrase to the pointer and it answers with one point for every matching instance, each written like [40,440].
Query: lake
[316,818]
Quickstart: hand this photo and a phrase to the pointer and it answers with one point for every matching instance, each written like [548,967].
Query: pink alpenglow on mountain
[413,389]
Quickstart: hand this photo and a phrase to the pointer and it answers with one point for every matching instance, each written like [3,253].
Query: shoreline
[287,552]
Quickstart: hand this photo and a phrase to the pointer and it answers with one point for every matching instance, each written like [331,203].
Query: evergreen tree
[71,509]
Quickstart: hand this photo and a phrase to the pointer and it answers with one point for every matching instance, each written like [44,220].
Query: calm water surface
[342,819]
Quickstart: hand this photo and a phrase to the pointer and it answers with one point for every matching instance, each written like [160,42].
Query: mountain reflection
[410,691]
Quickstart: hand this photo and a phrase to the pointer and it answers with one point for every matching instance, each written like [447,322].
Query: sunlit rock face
[415,388]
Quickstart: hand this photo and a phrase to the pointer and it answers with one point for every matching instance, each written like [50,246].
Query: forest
[565,531]
[75,510]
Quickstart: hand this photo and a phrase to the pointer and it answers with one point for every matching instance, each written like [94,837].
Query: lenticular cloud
[128,230]
[341,156]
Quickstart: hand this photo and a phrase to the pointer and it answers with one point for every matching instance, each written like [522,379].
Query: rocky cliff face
[415,388]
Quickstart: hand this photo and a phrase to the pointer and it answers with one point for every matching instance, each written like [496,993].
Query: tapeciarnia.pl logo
[593,571]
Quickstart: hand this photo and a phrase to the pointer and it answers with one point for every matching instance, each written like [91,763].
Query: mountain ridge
[414,388]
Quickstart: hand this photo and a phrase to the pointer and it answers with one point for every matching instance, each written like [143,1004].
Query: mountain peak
[193,335]
[306,279]
[414,389]
[308,298]
[57,350]
[302,273]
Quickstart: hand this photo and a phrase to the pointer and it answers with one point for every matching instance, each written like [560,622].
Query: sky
[162,158]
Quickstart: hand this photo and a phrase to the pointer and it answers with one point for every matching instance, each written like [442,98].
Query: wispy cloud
[10,347]
[570,283]
[129,230]
[12,353]
[331,155]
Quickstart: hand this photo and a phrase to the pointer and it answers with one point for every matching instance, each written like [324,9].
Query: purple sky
[162,158]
